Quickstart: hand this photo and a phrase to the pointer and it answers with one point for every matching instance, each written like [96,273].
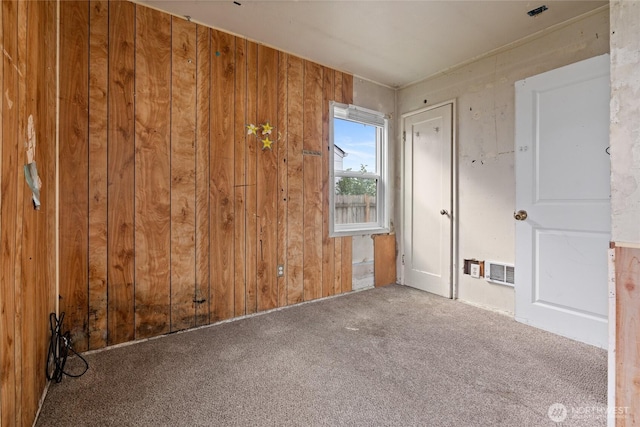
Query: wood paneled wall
[27,236]
[171,216]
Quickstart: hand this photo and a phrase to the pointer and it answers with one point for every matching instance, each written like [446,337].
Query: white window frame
[381,122]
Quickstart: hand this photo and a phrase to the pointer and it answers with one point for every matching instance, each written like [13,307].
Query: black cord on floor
[59,348]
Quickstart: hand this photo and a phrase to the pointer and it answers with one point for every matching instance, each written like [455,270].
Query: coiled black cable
[59,347]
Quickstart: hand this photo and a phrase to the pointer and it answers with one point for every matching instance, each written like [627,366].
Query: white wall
[379,98]
[484,92]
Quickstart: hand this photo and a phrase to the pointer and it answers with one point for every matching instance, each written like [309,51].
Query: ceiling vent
[499,272]
[537,11]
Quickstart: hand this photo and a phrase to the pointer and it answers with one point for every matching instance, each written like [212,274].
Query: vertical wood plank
[46,155]
[152,172]
[32,258]
[203,83]
[312,193]
[51,154]
[337,86]
[7,385]
[8,211]
[222,175]
[22,292]
[74,174]
[240,178]
[347,264]
[251,297]
[283,194]
[35,256]
[267,181]
[37,261]
[627,271]
[121,178]
[347,242]
[98,80]
[337,269]
[328,245]
[295,207]
[384,259]
[183,173]
[347,88]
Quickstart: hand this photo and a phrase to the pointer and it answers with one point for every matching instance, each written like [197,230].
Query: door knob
[444,212]
[520,215]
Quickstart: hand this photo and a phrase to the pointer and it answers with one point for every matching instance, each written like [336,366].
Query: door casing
[454,191]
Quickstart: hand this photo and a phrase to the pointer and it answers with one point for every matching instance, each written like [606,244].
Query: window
[358,190]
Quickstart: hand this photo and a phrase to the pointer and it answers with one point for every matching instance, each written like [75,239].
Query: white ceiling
[390,42]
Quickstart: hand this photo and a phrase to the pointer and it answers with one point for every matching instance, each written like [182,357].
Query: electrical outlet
[280,270]
[475,271]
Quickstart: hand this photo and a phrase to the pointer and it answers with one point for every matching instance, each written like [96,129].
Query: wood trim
[627,369]
[337,284]
[347,242]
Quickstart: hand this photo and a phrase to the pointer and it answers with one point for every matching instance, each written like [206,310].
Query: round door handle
[444,212]
[520,215]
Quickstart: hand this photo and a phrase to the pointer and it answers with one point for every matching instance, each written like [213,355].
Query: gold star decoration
[266,143]
[252,129]
[266,129]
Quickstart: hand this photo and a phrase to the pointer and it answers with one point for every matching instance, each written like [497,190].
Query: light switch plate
[475,271]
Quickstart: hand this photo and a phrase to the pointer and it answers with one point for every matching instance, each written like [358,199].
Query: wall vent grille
[499,272]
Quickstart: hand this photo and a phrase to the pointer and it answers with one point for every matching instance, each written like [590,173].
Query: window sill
[362,231]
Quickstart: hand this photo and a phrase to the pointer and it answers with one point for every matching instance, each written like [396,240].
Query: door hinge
[402,259]
[404,136]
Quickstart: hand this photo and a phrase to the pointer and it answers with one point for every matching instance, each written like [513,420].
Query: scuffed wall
[624,388]
[380,98]
[625,123]
[485,96]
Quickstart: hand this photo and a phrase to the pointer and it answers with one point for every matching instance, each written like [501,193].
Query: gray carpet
[390,356]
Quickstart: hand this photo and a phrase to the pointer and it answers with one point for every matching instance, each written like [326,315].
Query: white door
[562,182]
[428,200]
